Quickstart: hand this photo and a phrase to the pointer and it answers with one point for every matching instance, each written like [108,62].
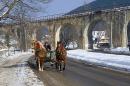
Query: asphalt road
[78,74]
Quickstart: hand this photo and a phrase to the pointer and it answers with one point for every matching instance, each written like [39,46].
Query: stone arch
[125,30]
[57,38]
[128,32]
[2,31]
[2,35]
[94,27]
[68,34]
[42,34]
[7,37]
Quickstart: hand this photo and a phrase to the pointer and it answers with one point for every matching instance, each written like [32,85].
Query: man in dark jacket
[47,46]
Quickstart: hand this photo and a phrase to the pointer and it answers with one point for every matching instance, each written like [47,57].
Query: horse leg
[56,64]
[64,63]
[37,62]
[42,62]
[64,66]
[39,65]
[60,66]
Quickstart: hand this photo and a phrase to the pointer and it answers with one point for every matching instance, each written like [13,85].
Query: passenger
[47,46]
[48,49]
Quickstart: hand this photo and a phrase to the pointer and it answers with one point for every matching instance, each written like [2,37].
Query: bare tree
[6,6]
[19,11]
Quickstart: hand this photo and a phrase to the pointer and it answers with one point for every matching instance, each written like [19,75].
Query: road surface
[78,74]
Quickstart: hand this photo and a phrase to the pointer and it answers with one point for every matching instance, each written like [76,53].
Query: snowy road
[16,72]
[117,62]
[78,74]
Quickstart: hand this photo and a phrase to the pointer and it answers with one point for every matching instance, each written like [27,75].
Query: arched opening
[43,34]
[98,35]
[4,39]
[69,35]
[8,40]
[128,33]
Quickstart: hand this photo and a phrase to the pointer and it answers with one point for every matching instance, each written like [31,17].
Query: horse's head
[60,47]
[60,44]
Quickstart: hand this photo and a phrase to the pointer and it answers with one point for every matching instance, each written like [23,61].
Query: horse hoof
[61,71]
[39,69]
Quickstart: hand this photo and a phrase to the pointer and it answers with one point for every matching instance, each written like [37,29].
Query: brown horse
[61,55]
[40,53]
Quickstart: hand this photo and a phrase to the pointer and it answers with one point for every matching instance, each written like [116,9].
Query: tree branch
[10,7]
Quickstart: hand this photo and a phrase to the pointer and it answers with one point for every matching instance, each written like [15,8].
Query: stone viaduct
[117,22]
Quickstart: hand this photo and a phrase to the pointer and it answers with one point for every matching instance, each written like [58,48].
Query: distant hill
[101,5]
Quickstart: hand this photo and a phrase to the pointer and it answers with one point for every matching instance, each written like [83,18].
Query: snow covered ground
[118,50]
[107,60]
[14,70]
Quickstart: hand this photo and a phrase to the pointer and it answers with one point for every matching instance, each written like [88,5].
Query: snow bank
[118,50]
[120,61]
[18,54]
[5,55]
[18,73]
[72,45]
[121,49]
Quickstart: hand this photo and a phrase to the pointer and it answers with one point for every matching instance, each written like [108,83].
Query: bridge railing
[75,14]
[59,16]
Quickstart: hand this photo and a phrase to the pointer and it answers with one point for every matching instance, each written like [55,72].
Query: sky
[54,7]
[60,6]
